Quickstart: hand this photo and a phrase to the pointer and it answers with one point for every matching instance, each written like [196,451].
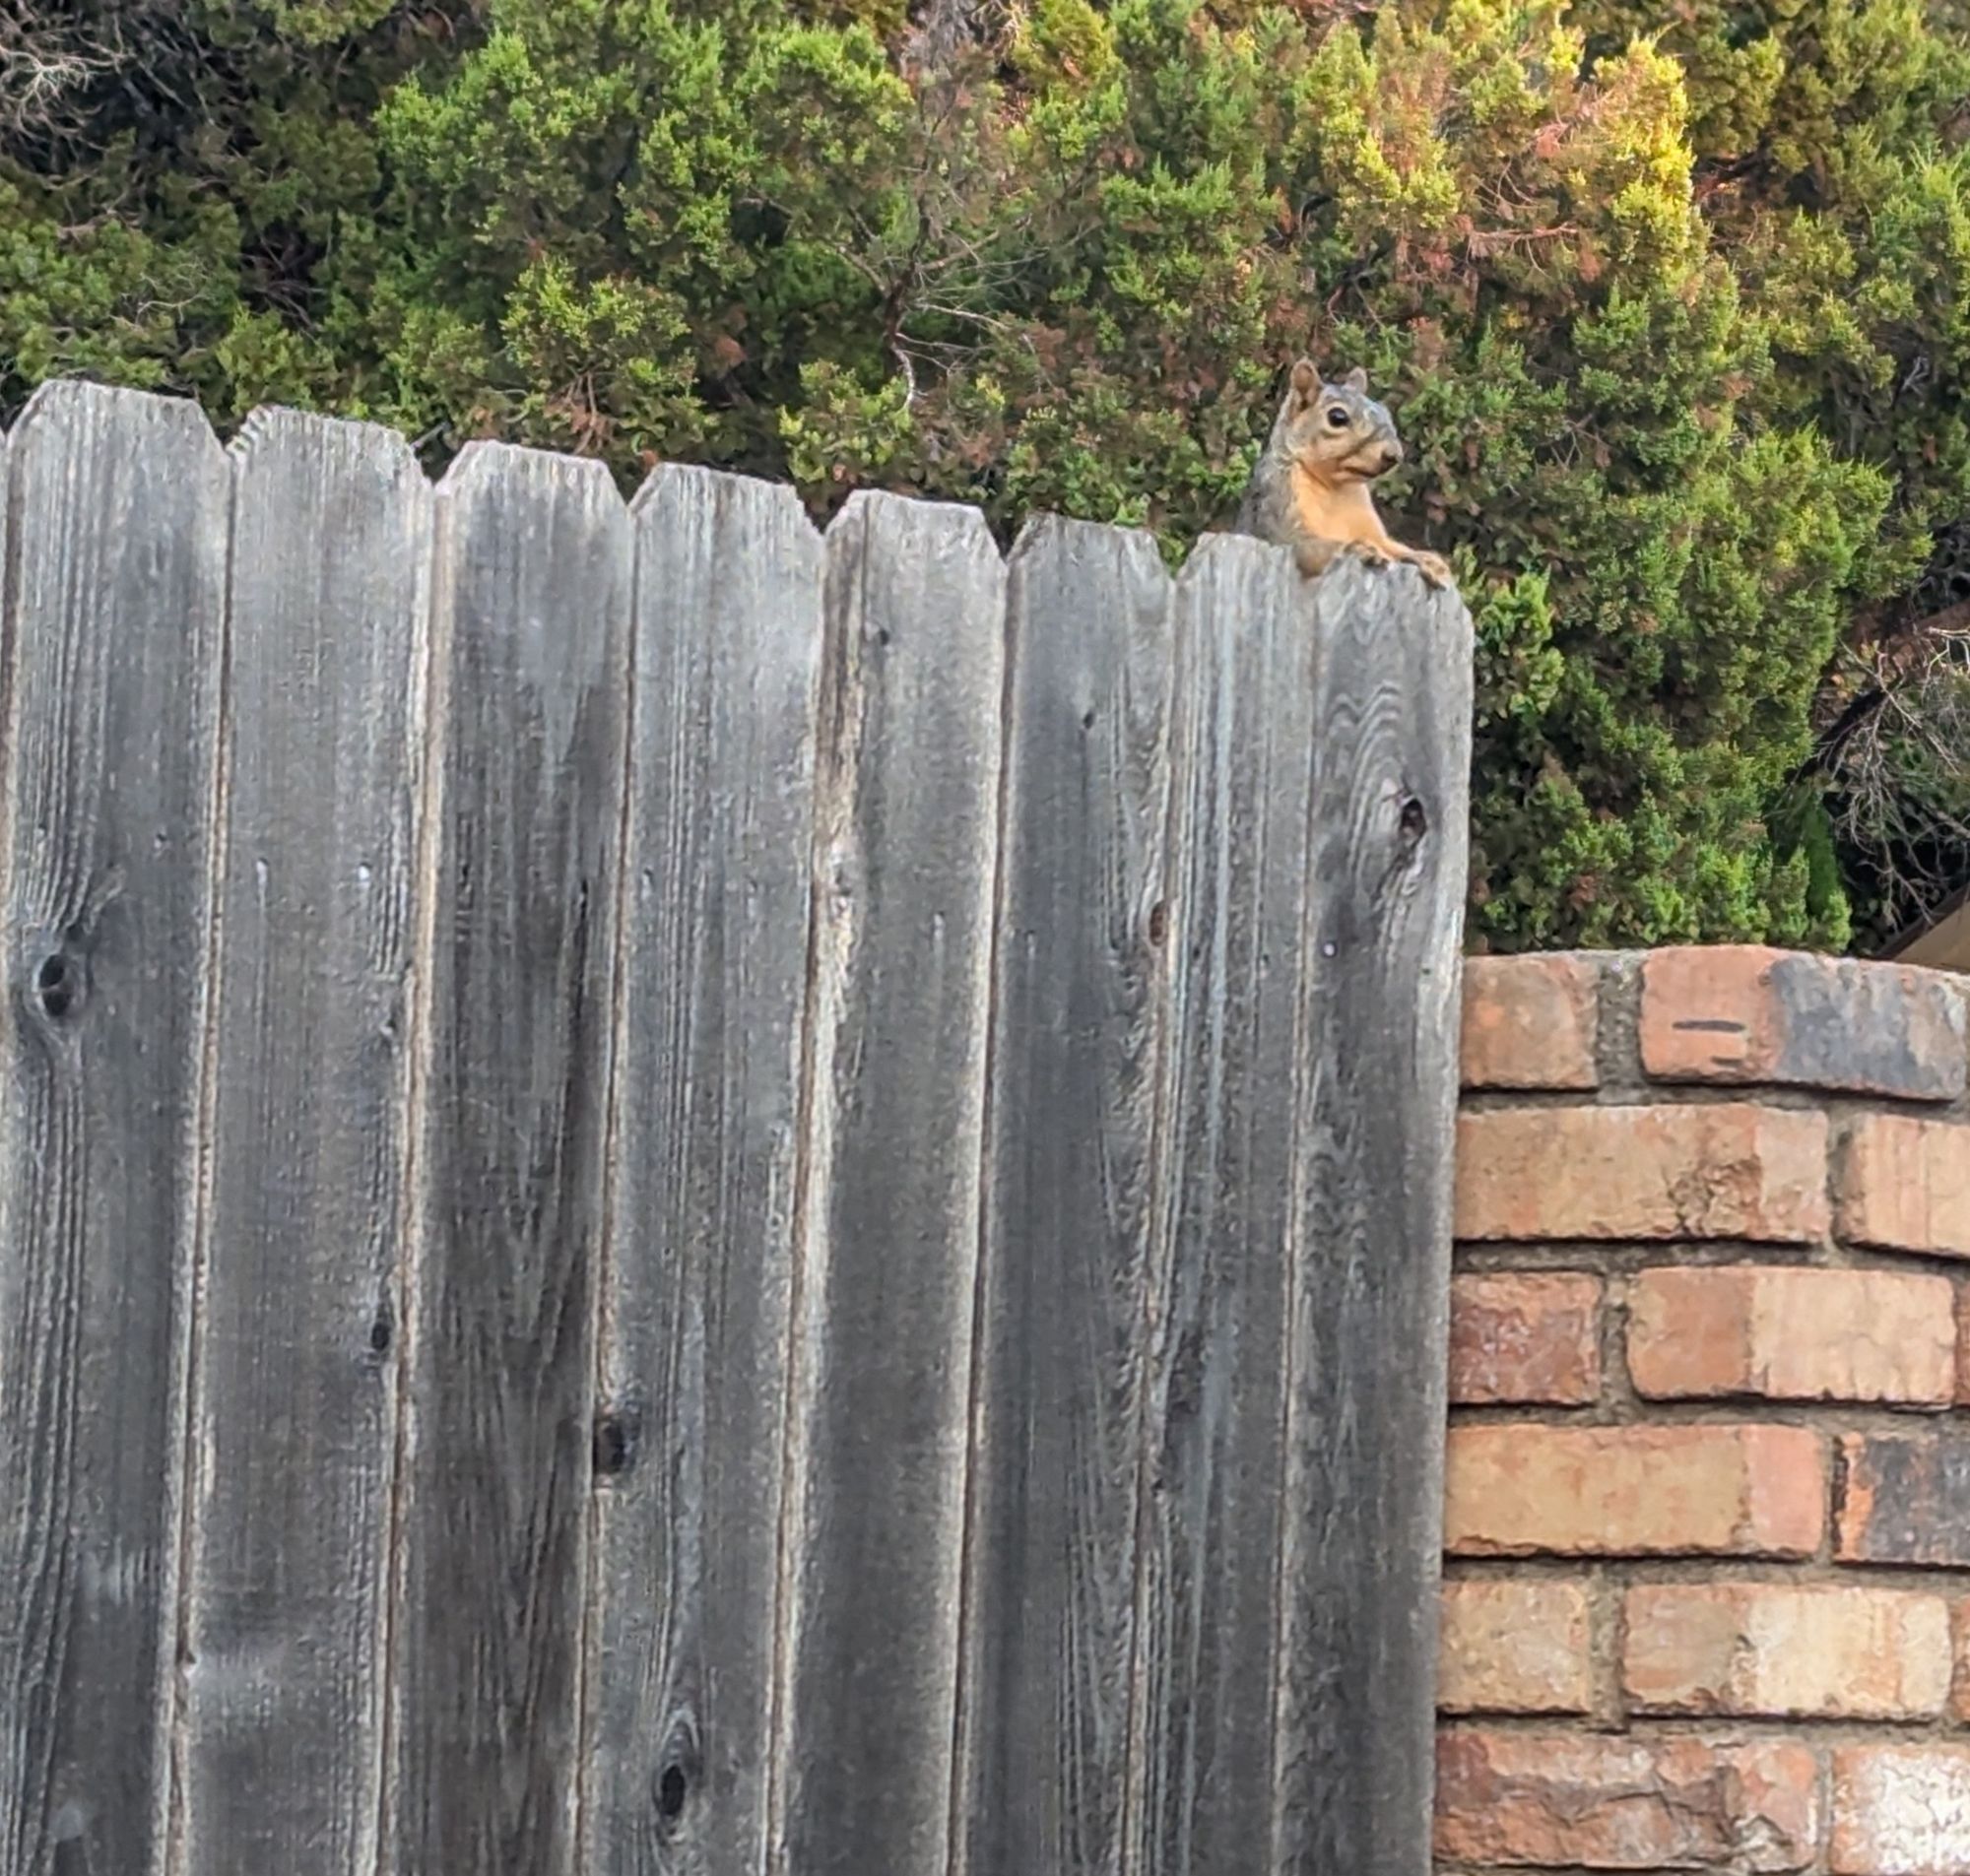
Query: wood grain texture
[909,793]
[530,612]
[294,1412]
[1049,1628]
[1375,1111]
[698,1283]
[898,1325]
[1242,759]
[114,594]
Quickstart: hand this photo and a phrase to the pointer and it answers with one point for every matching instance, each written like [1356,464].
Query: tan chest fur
[1334,512]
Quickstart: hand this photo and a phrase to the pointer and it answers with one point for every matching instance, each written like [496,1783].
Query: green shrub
[1677,327]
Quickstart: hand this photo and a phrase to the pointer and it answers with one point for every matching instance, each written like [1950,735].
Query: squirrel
[1310,490]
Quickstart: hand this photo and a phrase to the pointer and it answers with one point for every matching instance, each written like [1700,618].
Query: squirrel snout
[1392,452]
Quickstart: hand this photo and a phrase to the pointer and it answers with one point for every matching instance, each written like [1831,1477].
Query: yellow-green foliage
[1673,316]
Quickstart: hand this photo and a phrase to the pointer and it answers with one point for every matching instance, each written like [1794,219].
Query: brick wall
[1708,1511]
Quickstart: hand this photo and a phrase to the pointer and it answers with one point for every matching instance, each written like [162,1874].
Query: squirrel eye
[1336,417]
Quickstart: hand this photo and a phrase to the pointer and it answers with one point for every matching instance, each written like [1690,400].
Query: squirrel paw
[1434,568]
[1368,553]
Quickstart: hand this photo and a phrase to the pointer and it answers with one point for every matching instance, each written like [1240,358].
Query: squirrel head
[1336,433]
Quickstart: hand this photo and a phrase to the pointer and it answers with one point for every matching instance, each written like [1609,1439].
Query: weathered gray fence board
[1242,764]
[1376,1106]
[532,612]
[907,832]
[698,1283]
[294,1417]
[114,596]
[1079,983]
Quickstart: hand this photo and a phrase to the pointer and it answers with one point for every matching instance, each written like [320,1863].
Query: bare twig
[1896,762]
[52,54]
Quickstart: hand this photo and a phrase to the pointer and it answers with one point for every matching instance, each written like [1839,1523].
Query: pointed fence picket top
[684,1196]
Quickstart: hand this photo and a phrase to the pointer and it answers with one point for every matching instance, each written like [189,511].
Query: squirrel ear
[1356,379]
[1305,381]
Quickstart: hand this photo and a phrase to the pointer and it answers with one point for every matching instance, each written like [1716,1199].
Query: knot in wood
[615,1441]
[58,983]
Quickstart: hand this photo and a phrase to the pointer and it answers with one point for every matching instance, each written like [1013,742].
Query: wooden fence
[682,1196]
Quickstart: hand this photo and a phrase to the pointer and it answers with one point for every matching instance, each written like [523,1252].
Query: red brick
[1739,1013]
[1960,1679]
[1905,1186]
[1522,1335]
[1729,1171]
[1558,1799]
[1721,1491]
[1793,1335]
[1514,1647]
[1837,1650]
[1904,1497]
[1530,1022]
[1901,1811]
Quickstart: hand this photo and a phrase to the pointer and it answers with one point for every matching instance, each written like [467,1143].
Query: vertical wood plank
[530,678]
[698,1283]
[114,594]
[908,792]
[1214,1456]
[294,1413]
[1049,1625]
[1376,1112]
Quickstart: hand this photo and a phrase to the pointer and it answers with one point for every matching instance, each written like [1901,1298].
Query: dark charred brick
[1740,1015]
[1904,1499]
